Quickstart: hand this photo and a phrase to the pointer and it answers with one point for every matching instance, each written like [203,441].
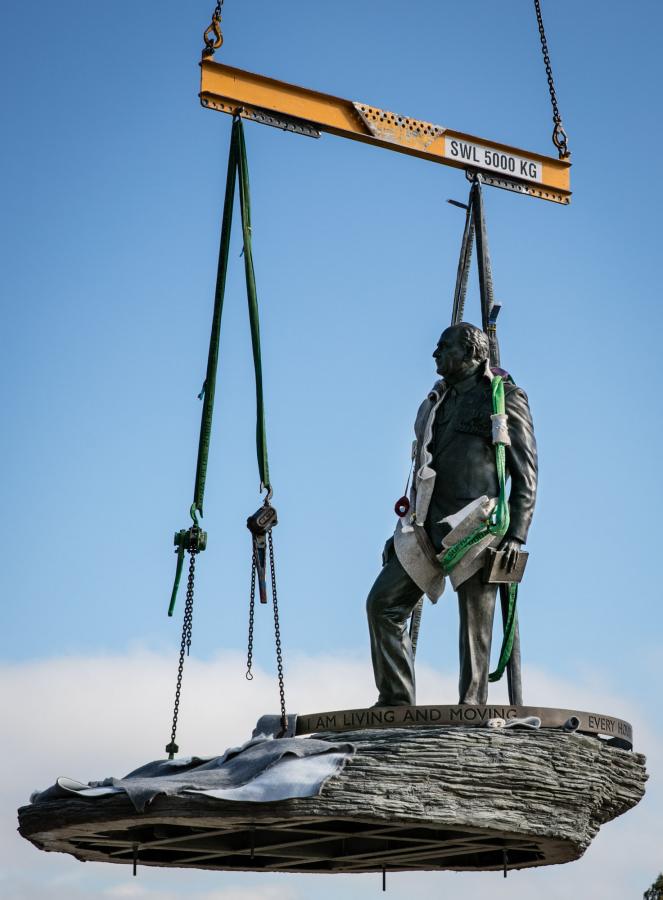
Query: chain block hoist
[260,524]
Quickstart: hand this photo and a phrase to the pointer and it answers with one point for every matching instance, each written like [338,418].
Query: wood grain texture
[416,798]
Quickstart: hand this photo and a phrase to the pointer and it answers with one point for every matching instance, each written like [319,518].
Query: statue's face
[451,355]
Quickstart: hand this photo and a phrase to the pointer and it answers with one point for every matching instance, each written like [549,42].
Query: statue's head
[461,350]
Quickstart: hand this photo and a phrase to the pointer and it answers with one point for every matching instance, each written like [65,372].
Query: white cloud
[266,892]
[93,717]
[126,891]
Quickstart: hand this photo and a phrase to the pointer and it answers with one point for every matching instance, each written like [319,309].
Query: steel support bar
[299,109]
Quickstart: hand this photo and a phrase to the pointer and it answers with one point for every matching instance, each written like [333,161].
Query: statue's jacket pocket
[467,451]
[473,417]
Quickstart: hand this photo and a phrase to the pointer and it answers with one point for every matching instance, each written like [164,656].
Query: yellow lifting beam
[308,112]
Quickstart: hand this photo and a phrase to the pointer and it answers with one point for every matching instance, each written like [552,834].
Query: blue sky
[111,198]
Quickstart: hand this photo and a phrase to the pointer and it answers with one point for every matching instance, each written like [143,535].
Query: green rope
[237,164]
[209,387]
[178,578]
[497,526]
[245,204]
[508,635]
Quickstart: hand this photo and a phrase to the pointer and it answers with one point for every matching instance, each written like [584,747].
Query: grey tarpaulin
[263,769]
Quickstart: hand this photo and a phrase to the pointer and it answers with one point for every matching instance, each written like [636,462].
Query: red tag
[402,507]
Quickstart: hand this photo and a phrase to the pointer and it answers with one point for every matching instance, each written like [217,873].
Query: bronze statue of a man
[454,476]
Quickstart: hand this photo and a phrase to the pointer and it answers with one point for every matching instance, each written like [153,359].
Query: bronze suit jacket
[454,463]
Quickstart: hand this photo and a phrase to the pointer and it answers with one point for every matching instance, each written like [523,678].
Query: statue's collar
[467,384]
[441,387]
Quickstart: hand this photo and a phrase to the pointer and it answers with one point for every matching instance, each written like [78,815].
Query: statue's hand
[511,546]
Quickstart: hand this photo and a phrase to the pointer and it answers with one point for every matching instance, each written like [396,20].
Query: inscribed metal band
[477,716]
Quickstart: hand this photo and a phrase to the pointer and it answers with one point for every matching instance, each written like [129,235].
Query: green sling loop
[509,635]
[497,526]
[237,165]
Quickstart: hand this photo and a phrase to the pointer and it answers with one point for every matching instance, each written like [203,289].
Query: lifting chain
[185,645]
[212,35]
[260,525]
[559,136]
[252,613]
[277,636]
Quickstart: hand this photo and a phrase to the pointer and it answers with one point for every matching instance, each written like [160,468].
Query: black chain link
[559,136]
[252,611]
[188,608]
[277,635]
[185,645]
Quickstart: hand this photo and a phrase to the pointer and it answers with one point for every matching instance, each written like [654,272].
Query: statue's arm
[522,464]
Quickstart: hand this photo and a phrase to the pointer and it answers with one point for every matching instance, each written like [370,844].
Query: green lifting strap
[251,293]
[209,386]
[237,165]
[497,525]
[508,636]
[178,578]
[237,170]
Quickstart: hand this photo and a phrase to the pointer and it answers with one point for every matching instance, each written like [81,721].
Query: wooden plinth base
[411,799]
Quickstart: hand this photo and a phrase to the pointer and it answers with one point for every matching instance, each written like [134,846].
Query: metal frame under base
[313,845]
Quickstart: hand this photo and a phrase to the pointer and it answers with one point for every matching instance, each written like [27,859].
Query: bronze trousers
[389,606]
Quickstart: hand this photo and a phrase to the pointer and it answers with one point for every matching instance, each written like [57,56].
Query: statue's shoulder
[436,391]
[510,386]
[515,397]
